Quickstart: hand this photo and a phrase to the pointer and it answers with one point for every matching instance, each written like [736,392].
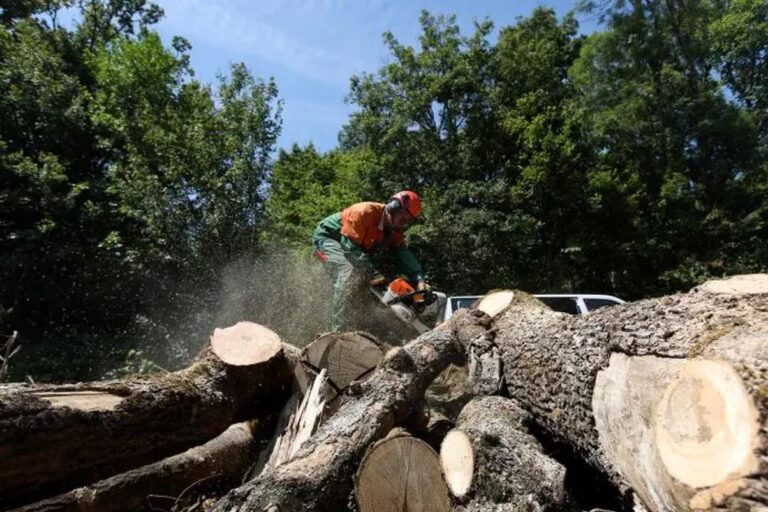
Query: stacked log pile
[56,438]
[665,400]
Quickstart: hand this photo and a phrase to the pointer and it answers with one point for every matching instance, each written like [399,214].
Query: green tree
[673,150]
[484,134]
[187,169]
[306,186]
[427,118]
[545,156]
[125,184]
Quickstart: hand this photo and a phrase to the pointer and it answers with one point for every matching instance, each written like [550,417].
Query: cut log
[318,477]
[495,302]
[245,344]
[224,458]
[62,436]
[666,396]
[401,474]
[347,356]
[303,420]
[511,469]
[458,460]
[325,368]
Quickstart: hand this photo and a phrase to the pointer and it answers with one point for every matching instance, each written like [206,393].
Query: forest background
[141,208]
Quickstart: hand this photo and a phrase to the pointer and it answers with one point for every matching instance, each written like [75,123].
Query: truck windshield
[462,302]
[562,304]
[593,304]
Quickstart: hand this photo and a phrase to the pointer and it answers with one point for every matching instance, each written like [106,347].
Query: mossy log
[491,461]
[667,396]
[319,476]
[54,438]
[223,459]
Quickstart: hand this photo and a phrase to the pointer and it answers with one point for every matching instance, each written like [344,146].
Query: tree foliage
[126,183]
[632,160]
[306,186]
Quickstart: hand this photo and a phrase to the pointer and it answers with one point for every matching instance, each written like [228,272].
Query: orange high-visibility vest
[360,223]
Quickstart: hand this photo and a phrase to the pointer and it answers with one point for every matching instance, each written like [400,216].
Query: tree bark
[224,458]
[666,395]
[319,477]
[57,437]
[511,470]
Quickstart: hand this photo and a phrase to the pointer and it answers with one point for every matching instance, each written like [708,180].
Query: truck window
[562,304]
[593,304]
[461,303]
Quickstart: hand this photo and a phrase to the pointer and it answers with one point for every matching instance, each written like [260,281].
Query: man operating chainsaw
[356,245]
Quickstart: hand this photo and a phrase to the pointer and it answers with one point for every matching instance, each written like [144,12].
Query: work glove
[377,280]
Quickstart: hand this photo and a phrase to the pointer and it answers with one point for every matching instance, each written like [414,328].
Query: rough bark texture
[511,470]
[224,458]
[645,392]
[552,362]
[50,447]
[319,477]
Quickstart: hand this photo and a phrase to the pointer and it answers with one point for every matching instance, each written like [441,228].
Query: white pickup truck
[573,303]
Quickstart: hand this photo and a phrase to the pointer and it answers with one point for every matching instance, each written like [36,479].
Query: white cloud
[214,23]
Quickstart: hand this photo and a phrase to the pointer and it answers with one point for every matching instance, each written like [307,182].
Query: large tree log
[224,458]
[346,356]
[319,477]
[401,473]
[304,418]
[668,395]
[54,438]
[324,370]
[511,471]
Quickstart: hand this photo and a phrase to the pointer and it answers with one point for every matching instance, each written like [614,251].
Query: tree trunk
[401,473]
[511,472]
[224,458]
[319,477]
[346,356]
[56,437]
[667,395]
[303,419]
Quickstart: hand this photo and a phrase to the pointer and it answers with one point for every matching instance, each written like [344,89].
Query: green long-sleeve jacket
[359,230]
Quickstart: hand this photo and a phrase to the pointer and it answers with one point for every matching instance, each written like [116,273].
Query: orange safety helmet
[410,201]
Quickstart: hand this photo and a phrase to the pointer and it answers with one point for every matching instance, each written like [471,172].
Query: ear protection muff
[393,206]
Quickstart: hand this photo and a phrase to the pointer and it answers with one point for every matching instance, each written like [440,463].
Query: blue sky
[313,47]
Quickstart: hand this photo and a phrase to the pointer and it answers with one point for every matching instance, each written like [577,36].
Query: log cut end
[746,284]
[683,432]
[346,355]
[245,344]
[82,400]
[458,461]
[496,302]
[707,425]
[401,474]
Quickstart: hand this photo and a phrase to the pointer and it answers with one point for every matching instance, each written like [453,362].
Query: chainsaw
[405,302]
